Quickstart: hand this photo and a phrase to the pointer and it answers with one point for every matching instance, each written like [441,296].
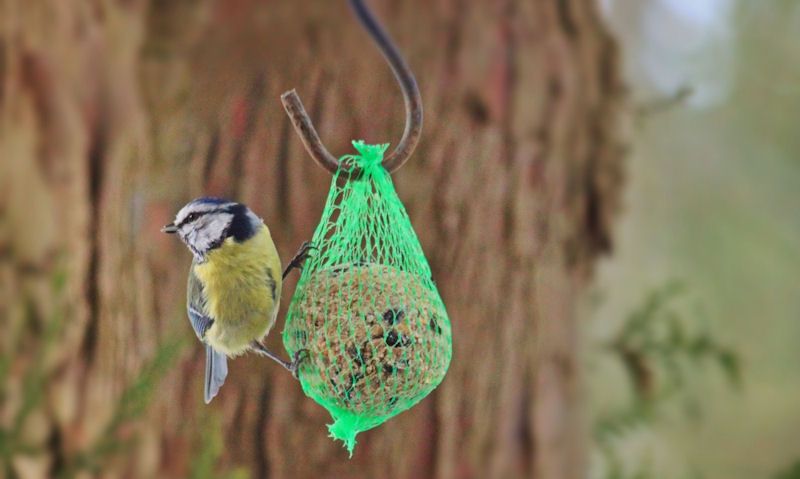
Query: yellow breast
[242,285]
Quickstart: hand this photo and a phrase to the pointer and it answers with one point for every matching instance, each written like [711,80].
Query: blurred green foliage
[131,405]
[792,472]
[34,381]
[657,337]
[713,196]
[660,349]
[209,447]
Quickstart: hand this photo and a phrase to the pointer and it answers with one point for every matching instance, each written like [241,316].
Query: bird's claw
[299,258]
[294,366]
[302,254]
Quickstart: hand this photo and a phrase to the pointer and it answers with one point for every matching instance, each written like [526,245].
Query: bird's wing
[216,363]
[195,305]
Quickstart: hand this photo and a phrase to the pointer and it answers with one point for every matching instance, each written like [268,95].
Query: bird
[234,287]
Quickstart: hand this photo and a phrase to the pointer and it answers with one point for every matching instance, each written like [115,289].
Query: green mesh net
[366,309]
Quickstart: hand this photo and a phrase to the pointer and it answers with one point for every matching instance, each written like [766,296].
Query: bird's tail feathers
[216,372]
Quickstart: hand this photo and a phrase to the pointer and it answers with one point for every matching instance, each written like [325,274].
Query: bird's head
[205,223]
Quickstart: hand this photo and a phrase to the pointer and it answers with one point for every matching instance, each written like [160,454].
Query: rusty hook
[408,84]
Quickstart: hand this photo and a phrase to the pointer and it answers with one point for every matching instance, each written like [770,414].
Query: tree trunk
[115,113]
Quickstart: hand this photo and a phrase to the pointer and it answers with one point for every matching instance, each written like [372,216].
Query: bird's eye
[192,217]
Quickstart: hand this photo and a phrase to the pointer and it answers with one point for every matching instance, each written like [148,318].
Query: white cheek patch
[208,231]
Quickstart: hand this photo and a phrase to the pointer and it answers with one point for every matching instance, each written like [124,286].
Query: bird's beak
[169,229]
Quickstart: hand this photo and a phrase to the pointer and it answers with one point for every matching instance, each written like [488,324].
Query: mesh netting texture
[366,309]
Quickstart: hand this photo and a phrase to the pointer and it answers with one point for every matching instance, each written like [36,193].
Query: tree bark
[115,113]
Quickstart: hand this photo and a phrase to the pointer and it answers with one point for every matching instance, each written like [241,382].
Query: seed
[434,325]
[376,331]
[392,316]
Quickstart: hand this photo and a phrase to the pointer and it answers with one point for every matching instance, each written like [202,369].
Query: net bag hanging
[366,309]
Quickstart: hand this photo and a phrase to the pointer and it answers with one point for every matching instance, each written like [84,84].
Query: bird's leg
[263,351]
[290,366]
[299,258]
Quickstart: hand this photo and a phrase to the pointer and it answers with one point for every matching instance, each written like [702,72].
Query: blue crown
[210,200]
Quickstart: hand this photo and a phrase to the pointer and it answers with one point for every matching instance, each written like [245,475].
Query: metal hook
[408,84]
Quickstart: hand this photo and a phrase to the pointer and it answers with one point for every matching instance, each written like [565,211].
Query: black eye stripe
[194,216]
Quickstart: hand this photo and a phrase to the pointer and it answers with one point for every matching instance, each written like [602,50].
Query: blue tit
[234,289]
